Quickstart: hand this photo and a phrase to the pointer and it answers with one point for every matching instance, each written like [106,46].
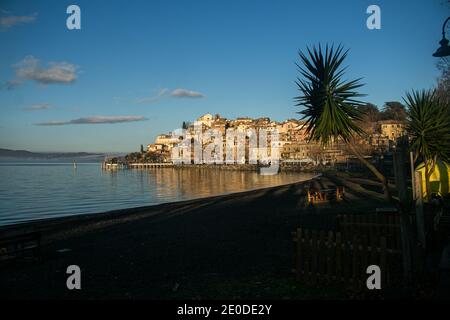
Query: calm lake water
[30,191]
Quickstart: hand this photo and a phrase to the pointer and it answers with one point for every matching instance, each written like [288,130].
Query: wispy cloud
[36,107]
[29,69]
[177,93]
[184,93]
[153,99]
[11,20]
[94,120]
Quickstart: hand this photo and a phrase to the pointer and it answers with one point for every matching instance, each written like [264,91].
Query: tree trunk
[374,170]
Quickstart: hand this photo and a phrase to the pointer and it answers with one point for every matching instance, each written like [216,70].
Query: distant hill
[7,154]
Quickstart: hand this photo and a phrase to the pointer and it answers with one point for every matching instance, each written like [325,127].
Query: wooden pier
[150,165]
[107,165]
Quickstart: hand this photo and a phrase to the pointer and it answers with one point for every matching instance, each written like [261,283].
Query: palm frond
[329,102]
[428,124]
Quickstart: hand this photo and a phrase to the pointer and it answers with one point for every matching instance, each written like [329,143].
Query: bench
[22,245]
[332,194]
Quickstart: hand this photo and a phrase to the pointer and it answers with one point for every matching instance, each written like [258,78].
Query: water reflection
[37,191]
[193,183]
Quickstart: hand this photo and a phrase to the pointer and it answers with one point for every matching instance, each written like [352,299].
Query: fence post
[383,265]
[372,233]
[314,266]
[413,176]
[344,226]
[419,209]
[330,256]
[400,182]
[306,256]
[322,256]
[299,254]
[364,252]
[374,252]
[338,257]
[398,239]
[357,226]
[355,270]
[420,222]
[391,232]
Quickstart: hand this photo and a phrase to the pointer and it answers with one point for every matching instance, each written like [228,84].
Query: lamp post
[444,49]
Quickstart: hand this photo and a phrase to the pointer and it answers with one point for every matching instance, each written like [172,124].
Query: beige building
[206,119]
[392,129]
[166,139]
[293,141]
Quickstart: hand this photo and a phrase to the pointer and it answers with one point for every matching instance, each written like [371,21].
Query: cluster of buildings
[291,142]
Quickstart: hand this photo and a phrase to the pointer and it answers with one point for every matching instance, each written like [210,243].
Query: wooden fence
[372,226]
[343,257]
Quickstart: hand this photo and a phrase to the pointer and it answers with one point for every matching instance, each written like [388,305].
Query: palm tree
[428,124]
[331,105]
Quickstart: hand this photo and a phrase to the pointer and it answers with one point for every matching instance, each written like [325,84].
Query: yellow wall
[439,179]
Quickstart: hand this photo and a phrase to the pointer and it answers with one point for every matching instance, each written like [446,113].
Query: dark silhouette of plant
[370,112]
[331,103]
[428,125]
[393,110]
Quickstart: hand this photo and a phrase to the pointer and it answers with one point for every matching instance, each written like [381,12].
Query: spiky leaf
[329,101]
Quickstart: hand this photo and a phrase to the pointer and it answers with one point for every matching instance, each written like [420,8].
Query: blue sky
[145,66]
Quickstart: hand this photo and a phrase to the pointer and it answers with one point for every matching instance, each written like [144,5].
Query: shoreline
[196,246]
[57,224]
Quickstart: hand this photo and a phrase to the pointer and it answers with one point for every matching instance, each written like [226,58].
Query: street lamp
[444,49]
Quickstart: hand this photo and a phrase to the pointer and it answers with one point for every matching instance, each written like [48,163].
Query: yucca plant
[428,125]
[331,103]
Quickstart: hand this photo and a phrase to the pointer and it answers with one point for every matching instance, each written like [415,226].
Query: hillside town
[293,143]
